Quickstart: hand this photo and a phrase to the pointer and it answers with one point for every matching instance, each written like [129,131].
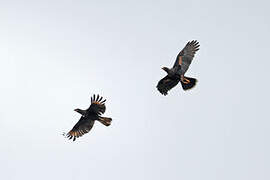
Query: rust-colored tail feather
[105,120]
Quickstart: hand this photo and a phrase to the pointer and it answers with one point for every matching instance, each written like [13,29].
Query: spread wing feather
[83,126]
[166,84]
[185,57]
[97,105]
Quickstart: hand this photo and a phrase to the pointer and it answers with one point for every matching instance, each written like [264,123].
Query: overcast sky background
[55,54]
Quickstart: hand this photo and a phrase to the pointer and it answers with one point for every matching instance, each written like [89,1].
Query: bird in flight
[88,118]
[180,67]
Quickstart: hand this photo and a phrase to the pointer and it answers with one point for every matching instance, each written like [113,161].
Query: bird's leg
[184,80]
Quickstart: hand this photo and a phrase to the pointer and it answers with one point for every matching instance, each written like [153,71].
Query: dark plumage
[88,118]
[180,67]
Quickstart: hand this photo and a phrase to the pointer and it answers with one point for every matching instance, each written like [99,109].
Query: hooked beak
[164,68]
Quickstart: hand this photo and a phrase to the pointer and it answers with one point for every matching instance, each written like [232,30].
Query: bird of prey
[88,118]
[180,67]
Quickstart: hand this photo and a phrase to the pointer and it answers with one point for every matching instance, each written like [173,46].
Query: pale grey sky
[56,54]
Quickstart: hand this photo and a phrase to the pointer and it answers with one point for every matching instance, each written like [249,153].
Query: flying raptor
[88,118]
[180,67]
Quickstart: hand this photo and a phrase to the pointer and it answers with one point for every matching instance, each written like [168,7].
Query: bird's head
[82,112]
[166,69]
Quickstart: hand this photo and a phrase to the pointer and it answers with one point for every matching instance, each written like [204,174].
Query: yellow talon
[185,80]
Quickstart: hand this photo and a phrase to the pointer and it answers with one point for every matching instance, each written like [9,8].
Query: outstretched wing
[83,126]
[166,84]
[97,105]
[185,57]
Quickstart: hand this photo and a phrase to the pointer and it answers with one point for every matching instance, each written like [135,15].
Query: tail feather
[105,120]
[189,84]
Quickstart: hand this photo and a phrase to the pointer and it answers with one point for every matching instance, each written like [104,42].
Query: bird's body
[88,118]
[177,72]
[174,71]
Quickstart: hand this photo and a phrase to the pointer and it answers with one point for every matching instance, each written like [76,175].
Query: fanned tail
[188,83]
[105,120]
